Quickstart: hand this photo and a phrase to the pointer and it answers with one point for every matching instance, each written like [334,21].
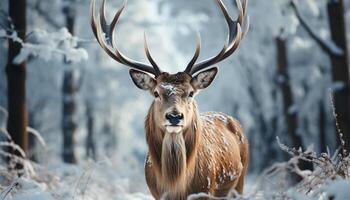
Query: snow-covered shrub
[13,153]
[329,179]
[330,171]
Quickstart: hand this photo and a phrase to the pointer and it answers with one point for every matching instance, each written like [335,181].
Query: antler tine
[246,26]
[234,44]
[230,23]
[96,28]
[92,19]
[209,62]
[149,57]
[104,34]
[114,23]
[240,11]
[235,35]
[103,22]
[196,54]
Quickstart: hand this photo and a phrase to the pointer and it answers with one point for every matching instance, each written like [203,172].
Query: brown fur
[210,155]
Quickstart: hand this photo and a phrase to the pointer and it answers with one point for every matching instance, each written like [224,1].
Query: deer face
[173,96]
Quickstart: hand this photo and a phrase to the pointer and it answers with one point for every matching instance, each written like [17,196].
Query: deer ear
[142,80]
[204,78]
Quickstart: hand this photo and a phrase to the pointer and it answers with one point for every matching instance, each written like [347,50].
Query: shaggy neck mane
[173,155]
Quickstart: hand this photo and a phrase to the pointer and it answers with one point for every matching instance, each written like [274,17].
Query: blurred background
[279,83]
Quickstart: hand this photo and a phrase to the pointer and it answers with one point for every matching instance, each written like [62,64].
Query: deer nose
[174,118]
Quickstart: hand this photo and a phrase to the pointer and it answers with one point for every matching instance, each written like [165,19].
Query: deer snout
[174,118]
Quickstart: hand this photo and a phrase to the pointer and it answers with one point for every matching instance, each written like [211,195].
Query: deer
[188,152]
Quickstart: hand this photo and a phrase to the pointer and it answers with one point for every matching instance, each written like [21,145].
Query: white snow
[208,180]
[95,182]
[338,189]
[212,116]
[170,88]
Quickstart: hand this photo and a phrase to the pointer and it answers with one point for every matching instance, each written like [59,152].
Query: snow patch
[170,88]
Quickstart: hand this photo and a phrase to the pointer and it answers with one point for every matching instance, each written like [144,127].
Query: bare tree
[287,96]
[109,129]
[90,142]
[70,87]
[337,50]
[16,79]
[69,123]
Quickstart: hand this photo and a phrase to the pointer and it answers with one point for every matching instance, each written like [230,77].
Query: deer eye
[156,94]
[191,94]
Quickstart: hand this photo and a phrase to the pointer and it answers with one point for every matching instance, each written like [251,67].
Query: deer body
[210,155]
[188,152]
[217,165]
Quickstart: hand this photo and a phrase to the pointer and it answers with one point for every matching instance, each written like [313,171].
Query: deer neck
[173,154]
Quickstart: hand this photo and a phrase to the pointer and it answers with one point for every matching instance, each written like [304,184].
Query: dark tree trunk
[340,68]
[110,143]
[69,125]
[69,11]
[16,77]
[287,96]
[322,125]
[291,117]
[90,142]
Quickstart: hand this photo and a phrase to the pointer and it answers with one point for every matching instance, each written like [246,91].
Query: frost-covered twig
[8,189]
[4,111]
[88,173]
[327,167]
[37,135]
[15,154]
[4,131]
[339,131]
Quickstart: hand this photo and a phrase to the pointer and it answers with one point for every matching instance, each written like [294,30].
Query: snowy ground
[94,181]
[87,181]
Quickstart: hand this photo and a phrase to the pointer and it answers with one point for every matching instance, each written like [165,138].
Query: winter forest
[72,119]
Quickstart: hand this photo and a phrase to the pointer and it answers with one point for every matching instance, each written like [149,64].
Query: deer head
[173,93]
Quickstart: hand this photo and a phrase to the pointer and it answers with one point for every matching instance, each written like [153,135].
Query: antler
[235,36]
[104,34]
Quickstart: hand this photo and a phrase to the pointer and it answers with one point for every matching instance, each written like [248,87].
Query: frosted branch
[47,46]
[327,46]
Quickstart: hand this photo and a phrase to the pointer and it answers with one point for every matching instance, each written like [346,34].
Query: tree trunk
[291,117]
[16,78]
[69,124]
[340,69]
[322,125]
[90,142]
[287,96]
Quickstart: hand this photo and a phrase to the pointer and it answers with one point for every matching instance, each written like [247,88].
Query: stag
[188,152]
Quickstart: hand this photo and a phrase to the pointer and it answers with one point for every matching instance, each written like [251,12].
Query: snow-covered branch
[48,46]
[328,46]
